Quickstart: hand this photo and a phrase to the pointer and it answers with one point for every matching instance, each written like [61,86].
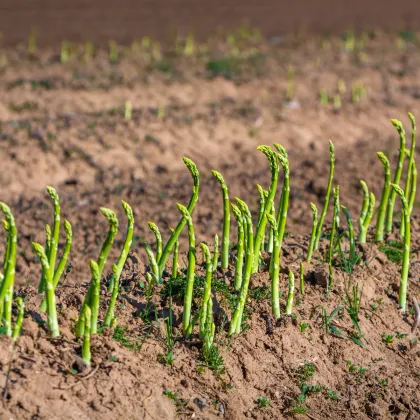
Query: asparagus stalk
[56,229]
[158,236]
[275,272]
[94,301]
[207,289]
[175,265]
[313,233]
[302,279]
[226,219]
[19,319]
[153,264]
[235,326]
[216,252]
[117,268]
[352,253]
[327,196]
[379,234]
[366,213]
[240,249]
[290,295]
[87,319]
[263,194]
[186,320]
[332,234]
[397,177]
[402,296]
[41,285]
[49,290]
[177,231]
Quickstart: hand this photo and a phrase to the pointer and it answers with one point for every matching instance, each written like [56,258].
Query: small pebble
[199,403]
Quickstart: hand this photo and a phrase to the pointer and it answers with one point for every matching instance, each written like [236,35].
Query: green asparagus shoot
[327,196]
[313,232]
[94,301]
[216,252]
[397,177]
[177,231]
[158,236]
[87,317]
[352,241]
[366,213]
[379,234]
[235,326]
[117,268]
[332,234]
[226,219]
[240,247]
[49,290]
[207,289]
[263,194]
[302,279]
[19,319]
[128,110]
[275,272]
[153,264]
[290,294]
[186,320]
[402,296]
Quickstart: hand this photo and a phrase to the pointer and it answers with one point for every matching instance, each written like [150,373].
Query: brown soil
[63,125]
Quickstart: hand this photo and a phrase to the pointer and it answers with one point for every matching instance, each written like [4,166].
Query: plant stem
[55,231]
[215,252]
[263,194]
[313,232]
[290,295]
[177,231]
[117,268]
[235,325]
[402,296]
[302,279]
[158,236]
[226,219]
[41,285]
[240,248]
[19,319]
[175,264]
[207,289]
[397,177]
[352,242]
[369,215]
[327,196]
[96,290]
[275,272]
[186,320]
[332,234]
[379,234]
[153,263]
[49,290]
[87,317]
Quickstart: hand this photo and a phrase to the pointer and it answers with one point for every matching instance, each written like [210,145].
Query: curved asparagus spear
[379,234]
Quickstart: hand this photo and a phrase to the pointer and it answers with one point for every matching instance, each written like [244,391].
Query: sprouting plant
[177,231]
[328,320]
[313,233]
[207,290]
[290,294]
[216,252]
[260,229]
[89,51]
[121,337]
[175,264]
[274,274]
[187,325]
[128,110]
[179,402]
[65,53]
[240,247]
[379,234]
[387,338]
[113,51]
[32,41]
[117,268]
[8,277]
[402,295]
[337,102]
[87,318]
[323,97]
[226,219]
[263,402]
[332,234]
[333,395]
[153,264]
[400,336]
[92,296]
[303,326]
[19,319]
[235,325]
[158,237]
[302,279]
[327,196]
[397,177]
[366,213]
[49,290]
[263,195]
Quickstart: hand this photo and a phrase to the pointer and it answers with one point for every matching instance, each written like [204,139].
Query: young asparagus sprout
[216,252]
[175,264]
[62,264]
[94,302]
[409,182]
[87,319]
[240,248]
[19,319]
[275,272]
[128,110]
[209,327]
[380,221]
[302,279]
[186,320]
[366,213]
[397,177]
[260,231]
[313,233]
[290,294]
[402,296]
[332,234]
[413,190]
[235,325]
[49,290]
[113,229]
[158,236]
[117,268]
[153,263]
[207,289]
[327,196]
[226,219]
[6,289]
[41,285]
[352,253]
[263,195]
[177,231]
